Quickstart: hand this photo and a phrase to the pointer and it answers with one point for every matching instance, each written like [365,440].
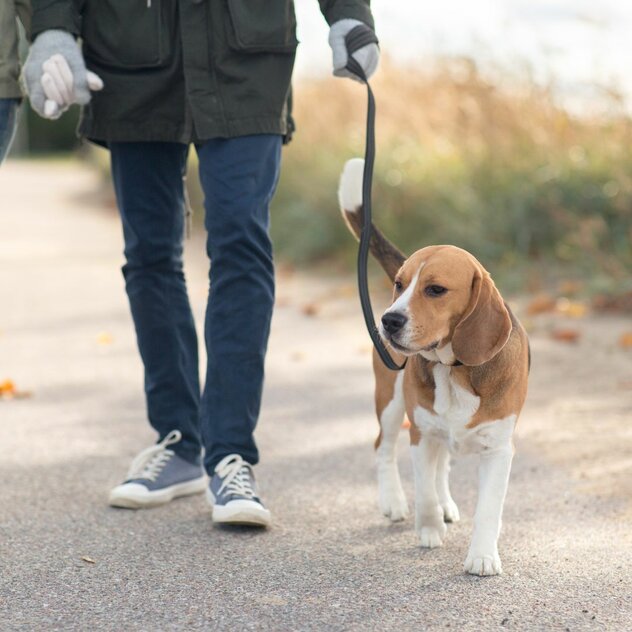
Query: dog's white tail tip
[350,189]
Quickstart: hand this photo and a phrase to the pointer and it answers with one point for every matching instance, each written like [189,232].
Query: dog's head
[445,303]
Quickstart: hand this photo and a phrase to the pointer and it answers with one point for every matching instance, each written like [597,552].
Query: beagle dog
[463,386]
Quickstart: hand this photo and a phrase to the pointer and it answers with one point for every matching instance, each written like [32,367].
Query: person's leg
[239,176]
[148,179]
[8,124]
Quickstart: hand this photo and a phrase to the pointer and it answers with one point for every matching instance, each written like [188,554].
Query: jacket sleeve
[23,9]
[335,10]
[55,14]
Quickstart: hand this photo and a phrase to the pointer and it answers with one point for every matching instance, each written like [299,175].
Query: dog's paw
[430,537]
[483,564]
[450,511]
[393,502]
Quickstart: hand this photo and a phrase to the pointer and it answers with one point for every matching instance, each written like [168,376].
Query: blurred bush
[496,167]
[501,171]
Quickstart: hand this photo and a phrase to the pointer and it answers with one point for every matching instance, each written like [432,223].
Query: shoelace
[237,475]
[151,461]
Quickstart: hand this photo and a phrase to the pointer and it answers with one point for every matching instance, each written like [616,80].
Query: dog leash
[357,38]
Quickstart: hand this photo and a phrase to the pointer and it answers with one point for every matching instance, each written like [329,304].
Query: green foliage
[535,193]
[506,175]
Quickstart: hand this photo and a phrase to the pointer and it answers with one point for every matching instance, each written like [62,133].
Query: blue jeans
[8,124]
[238,176]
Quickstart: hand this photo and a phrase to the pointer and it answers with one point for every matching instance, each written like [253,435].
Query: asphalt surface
[330,562]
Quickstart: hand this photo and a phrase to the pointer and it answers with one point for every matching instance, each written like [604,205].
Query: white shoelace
[151,461]
[237,476]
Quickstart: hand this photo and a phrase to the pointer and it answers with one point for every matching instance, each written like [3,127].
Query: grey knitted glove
[55,74]
[368,56]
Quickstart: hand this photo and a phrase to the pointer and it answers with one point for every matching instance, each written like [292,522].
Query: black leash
[356,39]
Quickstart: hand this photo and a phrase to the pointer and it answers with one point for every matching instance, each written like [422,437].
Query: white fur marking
[443,389]
[401,304]
[493,478]
[446,355]
[430,355]
[428,513]
[391,495]
[350,189]
[450,510]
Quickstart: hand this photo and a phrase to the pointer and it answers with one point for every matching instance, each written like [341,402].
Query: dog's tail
[350,197]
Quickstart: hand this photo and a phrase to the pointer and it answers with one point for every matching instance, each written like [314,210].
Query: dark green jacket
[10,11]
[187,70]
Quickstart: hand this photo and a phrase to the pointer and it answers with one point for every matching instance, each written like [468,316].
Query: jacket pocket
[262,26]
[132,34]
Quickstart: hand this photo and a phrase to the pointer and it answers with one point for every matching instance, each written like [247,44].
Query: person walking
[154,77]
[10,94]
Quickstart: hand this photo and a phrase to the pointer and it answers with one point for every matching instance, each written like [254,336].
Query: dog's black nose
[393,321]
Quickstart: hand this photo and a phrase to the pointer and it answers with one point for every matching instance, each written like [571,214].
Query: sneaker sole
[239,513]
[144,500]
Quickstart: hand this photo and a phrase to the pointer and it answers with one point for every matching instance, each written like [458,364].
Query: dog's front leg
[450,509]
[391,495]
[495,465]
[428,512]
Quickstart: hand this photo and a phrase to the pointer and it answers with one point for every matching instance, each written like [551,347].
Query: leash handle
[357,38]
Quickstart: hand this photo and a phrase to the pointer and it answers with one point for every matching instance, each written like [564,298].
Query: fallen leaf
[85,558]
[625,341]
[310,309]
[8,390]
[565,335]
[541,304]
[406,423]
[284,270]
[573,309]
[618,303]
[104,338]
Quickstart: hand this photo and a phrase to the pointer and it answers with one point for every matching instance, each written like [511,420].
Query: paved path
[331,562]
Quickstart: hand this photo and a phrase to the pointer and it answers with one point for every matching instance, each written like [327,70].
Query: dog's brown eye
[435,290]
[398,286]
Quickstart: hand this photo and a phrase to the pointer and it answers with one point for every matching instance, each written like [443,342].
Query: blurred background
[503,127]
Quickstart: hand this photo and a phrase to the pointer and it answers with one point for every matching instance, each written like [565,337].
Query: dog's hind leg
[389,400]
[450,510]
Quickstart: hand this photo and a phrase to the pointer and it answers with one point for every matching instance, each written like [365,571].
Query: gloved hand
[55,74]
[368,56]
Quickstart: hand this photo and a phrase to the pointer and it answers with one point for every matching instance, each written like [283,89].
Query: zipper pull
[149,4]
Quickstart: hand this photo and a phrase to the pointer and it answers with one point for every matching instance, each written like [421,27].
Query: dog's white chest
[454,408]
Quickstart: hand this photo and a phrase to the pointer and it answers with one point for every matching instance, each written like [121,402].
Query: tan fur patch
[384,386]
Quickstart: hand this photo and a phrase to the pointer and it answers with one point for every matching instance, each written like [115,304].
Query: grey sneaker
[158,475]
[233,494]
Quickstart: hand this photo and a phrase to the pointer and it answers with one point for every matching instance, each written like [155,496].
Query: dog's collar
[435,355]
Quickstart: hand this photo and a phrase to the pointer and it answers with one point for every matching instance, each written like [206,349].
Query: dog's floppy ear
[485,326]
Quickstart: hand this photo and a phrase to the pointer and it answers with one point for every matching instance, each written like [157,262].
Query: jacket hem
[126,132]
[10,89]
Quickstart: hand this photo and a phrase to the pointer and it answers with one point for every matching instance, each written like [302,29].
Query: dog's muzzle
[393,322]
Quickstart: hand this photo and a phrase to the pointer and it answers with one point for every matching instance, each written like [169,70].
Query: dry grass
[496,167]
